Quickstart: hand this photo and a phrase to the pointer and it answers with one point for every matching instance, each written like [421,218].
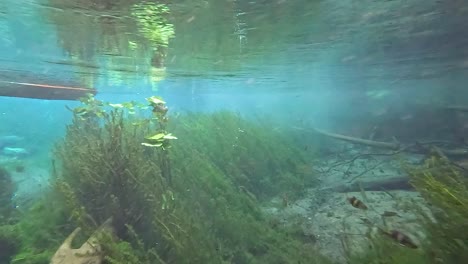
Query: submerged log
[43,91]
[361,141]
[414,148]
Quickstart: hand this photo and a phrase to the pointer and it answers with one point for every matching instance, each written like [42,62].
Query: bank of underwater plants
[184,191]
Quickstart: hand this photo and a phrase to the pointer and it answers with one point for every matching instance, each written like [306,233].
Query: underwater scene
[233,131]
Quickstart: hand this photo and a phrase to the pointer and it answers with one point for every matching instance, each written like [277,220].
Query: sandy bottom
[31,177]
[334,219]
[326,217]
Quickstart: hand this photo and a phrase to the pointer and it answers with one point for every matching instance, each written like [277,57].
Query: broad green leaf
[156,137]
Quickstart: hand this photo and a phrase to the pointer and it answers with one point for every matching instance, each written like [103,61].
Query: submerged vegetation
[445,188]
[189,189]
[7,189]
[255,159]
[185,191]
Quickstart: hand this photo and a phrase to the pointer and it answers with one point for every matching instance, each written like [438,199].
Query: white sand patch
[329,218]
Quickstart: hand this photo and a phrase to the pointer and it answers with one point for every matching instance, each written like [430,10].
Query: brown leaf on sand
[89,253]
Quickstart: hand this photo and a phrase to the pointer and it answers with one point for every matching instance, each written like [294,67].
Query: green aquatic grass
[385,251]
[7,189]
[221,167]
[255,157]
[445,189]
[36,233]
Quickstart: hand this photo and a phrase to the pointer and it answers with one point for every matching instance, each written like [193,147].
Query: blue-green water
[314,58]
[385,71]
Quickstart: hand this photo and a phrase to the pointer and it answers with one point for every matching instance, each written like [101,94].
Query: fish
[390,213]
[355,202]
[401,238]
[14,152]
[9,140]
[395,235]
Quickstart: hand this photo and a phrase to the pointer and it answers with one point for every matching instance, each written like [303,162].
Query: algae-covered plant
[178,191]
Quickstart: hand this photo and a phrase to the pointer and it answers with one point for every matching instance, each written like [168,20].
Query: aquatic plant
[258,160]
[9,243]
[383,250]
[7,189]
[172,201]
[178,202]
[445,189]
[33,236]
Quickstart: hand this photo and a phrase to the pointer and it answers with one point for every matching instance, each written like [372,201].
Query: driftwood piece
[420,148]
[361,141]
[43,91]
